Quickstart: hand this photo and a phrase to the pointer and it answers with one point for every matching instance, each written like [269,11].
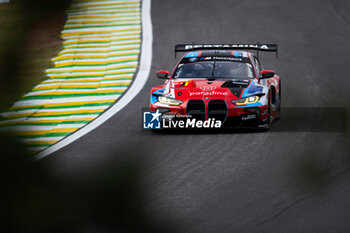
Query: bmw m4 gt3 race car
[222,82]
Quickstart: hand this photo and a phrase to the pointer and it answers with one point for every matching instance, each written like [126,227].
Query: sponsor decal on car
[205,58]
[207,88]
[228,58]
[204,93]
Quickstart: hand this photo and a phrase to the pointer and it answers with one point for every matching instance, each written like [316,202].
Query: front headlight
[169,101]
[248,100]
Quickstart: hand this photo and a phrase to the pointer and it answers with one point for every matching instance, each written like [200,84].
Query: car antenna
[257,49]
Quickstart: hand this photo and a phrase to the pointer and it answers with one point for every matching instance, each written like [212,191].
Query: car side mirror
[163,74]
[266,74]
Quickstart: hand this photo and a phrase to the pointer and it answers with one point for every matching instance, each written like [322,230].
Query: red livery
[221,82]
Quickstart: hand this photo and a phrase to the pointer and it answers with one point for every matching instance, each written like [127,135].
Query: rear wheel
[279,98]
[269,111]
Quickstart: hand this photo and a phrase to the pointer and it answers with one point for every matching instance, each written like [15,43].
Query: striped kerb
[100,55]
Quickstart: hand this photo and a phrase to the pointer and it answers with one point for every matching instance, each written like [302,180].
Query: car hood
[184,89]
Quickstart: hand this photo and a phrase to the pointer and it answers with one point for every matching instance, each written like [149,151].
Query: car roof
[218,53]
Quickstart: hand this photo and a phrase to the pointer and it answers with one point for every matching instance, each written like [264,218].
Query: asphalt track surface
[240,181]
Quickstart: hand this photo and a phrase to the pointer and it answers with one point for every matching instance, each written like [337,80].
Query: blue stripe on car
[192,54]
[154,95]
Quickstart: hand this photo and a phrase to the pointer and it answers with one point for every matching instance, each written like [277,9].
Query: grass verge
[28,42]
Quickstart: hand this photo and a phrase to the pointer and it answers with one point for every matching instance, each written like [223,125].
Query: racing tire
[279,98]
[269,112]
[268,121]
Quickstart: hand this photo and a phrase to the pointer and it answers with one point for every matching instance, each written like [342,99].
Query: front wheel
[267,123]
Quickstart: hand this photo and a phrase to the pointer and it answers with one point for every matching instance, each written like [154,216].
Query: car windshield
[215,70]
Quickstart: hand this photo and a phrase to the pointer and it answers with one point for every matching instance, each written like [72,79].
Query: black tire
[269,111]
[268,121]
[279,98]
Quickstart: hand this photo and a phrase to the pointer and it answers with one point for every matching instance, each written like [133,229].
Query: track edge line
[136,86]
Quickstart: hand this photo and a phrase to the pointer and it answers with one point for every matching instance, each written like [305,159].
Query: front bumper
[232,116]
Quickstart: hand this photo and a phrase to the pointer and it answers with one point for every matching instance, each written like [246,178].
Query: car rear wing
[258,47]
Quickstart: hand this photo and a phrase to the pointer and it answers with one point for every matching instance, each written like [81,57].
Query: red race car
[219,83]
